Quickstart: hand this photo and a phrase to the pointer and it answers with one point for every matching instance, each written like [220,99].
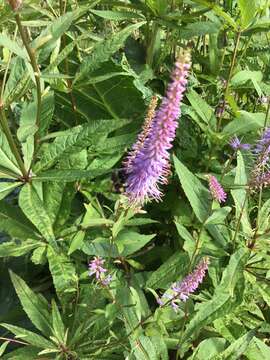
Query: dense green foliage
[76,78]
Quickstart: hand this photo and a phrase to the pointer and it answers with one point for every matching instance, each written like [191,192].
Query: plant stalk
[33,61]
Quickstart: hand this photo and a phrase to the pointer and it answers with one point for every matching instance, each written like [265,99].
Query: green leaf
[263,217]
[240,195]
[3,347]
[58,325]
[236,349]
[7,187]
[68,175]
[7,159]
[18,82]
[228,294]
[13,221]
[63,274]
[244,123]
[128,242]
[47,39]
[12,248]
[199,28]
[103,50]
[117,15]
[23,353]
[201,107]
[218,216]
[248,9]
[35,306]
[171,270]
[29,336]
[196,193]
[12,46]
[76,139]
[208,348]
[33,208]
[257,349]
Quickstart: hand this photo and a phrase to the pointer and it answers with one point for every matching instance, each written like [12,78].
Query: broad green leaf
[35,306]
[171,270]
[199,28]
[201,107]
[143,348]
[103,50]
[29,336]
[3,347]
[7,159]
[7,187]
[244,123]
[236,349]
[248,9]
[76,139]
[196,193]
[128,242]
[13,222]
[227,296]
[101,247]
[240,195]
[257,349]
[33,208]
[12,248]
[64,275]
[208,348]
[218,215]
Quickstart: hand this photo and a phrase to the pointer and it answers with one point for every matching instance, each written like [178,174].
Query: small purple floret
[96,268]
[236,144]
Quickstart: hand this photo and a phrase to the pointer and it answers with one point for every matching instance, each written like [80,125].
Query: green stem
[12,144]
[267,114]
[238,35]
[32,57]
[151,46]
[239,219]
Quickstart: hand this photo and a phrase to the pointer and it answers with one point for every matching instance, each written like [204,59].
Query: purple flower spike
[183,289]
[216,189]
[262,148]
[236,144]
[148,166]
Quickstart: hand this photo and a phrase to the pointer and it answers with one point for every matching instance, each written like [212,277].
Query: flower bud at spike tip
[147,165]
[15,4]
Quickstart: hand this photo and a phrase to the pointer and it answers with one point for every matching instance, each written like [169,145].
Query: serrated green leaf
[35,306]
[103,50]
[64,275]
[68,175]
[248,10]
[33,208]
[7,159]
[236,349]
[12,46]
[12,248]
[7,187]
[168,272]
[257,349]
[58,325]
[29,336]
[244,123]
[117,15]
[196,193]
[76,139]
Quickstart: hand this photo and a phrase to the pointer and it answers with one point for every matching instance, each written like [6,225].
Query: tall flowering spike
[181,290]
[216,189]
[96,268]
[261,180]
[148,165]
[143,134]
[262,148]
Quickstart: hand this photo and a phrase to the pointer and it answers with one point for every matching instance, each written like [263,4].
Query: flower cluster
[181,290]
[96,268]
[262,148]
[236,144]
[216,189]
[147,165]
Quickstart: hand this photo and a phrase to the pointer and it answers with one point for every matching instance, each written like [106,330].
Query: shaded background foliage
[99,64]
